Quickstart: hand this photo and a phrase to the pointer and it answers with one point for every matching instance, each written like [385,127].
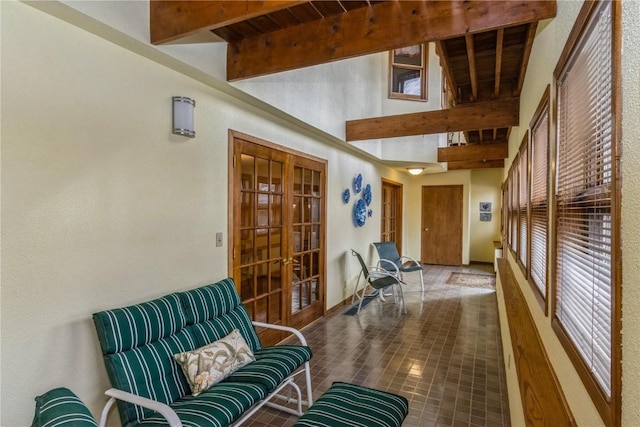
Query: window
[408,72]
[523,204]
[513,203]
[586,301]
[538,199]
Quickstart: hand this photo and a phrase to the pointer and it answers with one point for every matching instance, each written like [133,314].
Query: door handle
[426,229]
[287,261]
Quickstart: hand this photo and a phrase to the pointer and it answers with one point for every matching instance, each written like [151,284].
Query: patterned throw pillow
[208,365]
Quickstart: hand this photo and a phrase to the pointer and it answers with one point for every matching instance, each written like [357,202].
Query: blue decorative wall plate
[367,194]
[346,195]
[359,213]
[357,183]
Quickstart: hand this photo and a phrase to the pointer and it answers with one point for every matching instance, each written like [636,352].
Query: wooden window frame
[523,204]
[543,112]
[424,72]
[608,407]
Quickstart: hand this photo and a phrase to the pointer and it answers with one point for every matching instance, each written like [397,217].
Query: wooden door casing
[441,241]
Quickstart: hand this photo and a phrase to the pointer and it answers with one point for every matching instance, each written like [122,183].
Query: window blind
[514,204]
[523,200]
[538,204]
[584,196]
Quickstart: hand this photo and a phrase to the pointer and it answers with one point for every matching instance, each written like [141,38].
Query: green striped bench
[138,343]
[350,405]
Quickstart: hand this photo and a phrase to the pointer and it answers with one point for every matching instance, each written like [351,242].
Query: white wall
[103,207]
[485,187]
[546,50]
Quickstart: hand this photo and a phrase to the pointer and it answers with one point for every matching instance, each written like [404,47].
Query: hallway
[444,356]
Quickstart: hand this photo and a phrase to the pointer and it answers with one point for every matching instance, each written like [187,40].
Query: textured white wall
[630,217]
[103,207]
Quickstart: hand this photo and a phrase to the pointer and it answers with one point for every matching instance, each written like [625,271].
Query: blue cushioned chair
[376,277]
[391,261]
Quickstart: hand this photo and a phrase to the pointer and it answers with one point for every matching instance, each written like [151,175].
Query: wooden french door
[442,225]
[391,213]
[277,230]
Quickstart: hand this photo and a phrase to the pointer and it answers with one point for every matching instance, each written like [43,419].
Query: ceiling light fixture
[415,171]
[183,116]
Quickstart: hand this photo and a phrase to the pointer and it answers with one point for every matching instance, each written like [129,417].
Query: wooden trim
[524,145]
[543,401]
[544,103]
[337,307]
[424,76]
[378,28]
[498,113]
[399,211]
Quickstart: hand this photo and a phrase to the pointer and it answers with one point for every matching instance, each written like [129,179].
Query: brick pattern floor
[444,356]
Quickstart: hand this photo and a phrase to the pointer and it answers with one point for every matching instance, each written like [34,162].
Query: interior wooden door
[277,228]
[442,225]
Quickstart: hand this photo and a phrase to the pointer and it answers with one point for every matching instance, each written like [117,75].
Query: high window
[408,72]
[587,266]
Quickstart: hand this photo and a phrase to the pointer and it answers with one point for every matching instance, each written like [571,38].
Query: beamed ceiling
[483,45]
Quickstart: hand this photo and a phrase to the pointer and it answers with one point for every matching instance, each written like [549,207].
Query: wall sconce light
[183,116]
[415,171]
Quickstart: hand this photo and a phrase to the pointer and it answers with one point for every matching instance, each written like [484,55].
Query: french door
[391,213]
[277,228]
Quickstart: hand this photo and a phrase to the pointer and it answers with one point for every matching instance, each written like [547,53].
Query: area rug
[471,280]
[352,311]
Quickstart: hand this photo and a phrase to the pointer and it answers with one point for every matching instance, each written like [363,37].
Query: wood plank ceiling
[484,49]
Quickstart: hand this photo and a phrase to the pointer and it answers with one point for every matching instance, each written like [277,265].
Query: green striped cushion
[61,407]
[211,301]
[149,371]
[272,365]
[351,405]
[219,406]
[217,328]
[122,329]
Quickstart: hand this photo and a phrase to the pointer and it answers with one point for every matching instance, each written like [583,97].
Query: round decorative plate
[346,195]
[357,183]
[359,213]
[367,194]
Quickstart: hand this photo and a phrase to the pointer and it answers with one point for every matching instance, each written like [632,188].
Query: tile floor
[444,356]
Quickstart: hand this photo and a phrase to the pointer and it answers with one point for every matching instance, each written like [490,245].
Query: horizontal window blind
[514,204]
[584,196]
[523,198]
[539,205]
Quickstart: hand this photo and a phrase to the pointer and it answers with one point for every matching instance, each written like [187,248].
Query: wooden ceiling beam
[499,42]
[441,50]
[531,34]
[475,164]
[471,57]
[495,150]
[498,113]
[379,28]
[171,20]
